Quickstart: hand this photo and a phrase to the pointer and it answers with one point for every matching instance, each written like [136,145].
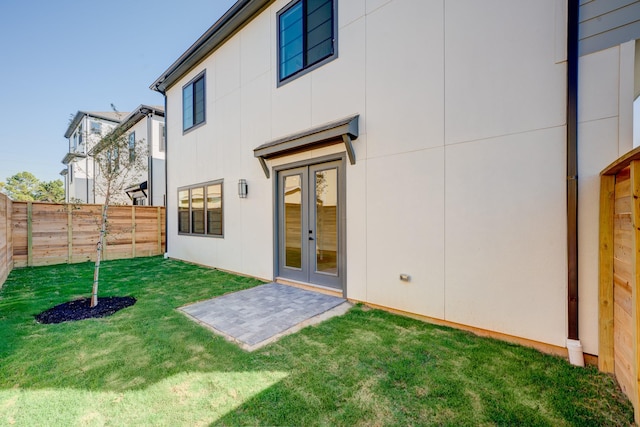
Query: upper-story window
[80,134]
[96,127]
[163,138]
[193,103]
[306,36]
[132,146]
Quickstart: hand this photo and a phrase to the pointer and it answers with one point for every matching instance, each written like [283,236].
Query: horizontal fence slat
[49,233]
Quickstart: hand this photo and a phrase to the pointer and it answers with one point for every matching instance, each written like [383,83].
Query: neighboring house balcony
[71,156]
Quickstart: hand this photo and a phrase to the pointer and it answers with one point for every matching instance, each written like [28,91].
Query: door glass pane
[293,221]
[327,221]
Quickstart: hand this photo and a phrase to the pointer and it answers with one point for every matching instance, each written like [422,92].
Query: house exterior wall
[605,132]
[79,183]
[147,131]
[157,162]
[460,179]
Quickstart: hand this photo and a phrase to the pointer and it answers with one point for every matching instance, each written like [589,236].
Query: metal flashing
[340,131]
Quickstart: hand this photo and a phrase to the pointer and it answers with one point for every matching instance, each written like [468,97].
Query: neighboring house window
[193,97]
[75,141]
[80,135]
[96,127]
[200,209]
[163,138]
[305,36]
[132,146]
[70,172]
[113,163]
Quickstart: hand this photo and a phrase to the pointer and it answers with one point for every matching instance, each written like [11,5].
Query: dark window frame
[205,223]
[306,68]
[191,86]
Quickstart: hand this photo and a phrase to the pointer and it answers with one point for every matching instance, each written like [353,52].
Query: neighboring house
[410,154]
[82,178]
[145,125]
[85,130]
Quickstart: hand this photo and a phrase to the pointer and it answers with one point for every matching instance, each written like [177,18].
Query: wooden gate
[619,273]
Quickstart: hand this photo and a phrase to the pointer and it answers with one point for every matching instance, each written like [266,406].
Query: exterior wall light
[243,188]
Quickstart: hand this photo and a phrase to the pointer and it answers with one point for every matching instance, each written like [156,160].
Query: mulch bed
[81,309]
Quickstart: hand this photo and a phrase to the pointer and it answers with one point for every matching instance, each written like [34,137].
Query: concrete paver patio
[258,316]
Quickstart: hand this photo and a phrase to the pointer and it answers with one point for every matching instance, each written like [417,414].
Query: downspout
[166,178]
[574,347]
[149,115]
[85,143]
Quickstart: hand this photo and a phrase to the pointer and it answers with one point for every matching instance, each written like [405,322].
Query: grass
[149,365]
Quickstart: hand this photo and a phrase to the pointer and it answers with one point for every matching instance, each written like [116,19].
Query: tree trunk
[96,270]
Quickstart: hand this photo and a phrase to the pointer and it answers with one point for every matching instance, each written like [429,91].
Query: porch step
[309,287]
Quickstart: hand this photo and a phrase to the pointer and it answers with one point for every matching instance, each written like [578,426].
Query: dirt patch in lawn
[81,309]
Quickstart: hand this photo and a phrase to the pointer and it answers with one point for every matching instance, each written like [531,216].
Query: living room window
[193,102]
[200,210]
[306,37]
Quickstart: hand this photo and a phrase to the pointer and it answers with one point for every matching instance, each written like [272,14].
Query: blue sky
[58,57]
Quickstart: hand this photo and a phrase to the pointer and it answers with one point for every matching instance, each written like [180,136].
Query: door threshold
[310,287]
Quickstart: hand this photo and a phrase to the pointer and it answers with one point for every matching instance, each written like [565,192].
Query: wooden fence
[619,270]
[47,233]
[6,240]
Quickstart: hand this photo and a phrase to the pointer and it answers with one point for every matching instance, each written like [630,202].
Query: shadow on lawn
[366,367]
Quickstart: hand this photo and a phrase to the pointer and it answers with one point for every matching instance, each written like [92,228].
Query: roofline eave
[242,12]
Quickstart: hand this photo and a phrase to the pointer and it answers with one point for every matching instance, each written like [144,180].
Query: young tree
[119,164]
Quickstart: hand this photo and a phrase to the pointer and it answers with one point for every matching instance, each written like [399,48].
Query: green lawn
[149,365]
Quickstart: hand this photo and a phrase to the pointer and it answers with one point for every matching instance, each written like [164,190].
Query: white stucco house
[421,156]
[85,130]
[144,125]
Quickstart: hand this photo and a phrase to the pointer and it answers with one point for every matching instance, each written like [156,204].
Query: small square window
[193,103]
[306,36]
[96,127]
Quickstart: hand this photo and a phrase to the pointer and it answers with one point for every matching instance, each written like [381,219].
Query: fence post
[69,234]
[133,231]
[605,300]
[29,234]
[159,211]
[635,292]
